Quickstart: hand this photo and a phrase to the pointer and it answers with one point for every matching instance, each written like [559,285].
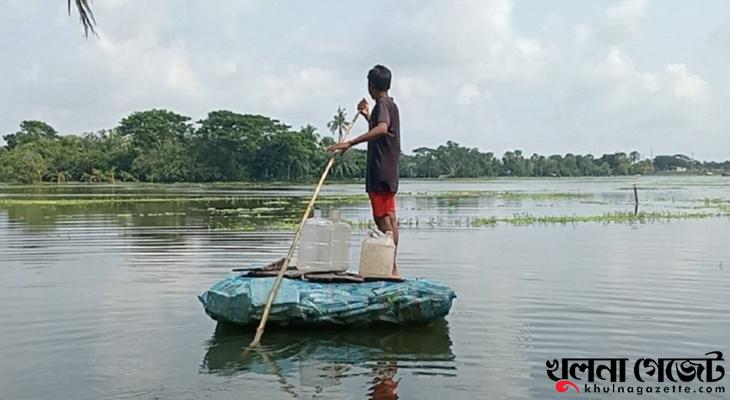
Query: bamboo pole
[280,275]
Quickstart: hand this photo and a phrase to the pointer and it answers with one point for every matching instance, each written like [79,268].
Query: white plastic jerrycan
[377,255]
[315,245]
[340,243]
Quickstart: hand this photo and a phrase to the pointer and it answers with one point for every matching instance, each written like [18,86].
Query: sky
[547,77]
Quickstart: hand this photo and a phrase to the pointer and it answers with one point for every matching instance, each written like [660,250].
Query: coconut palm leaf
[86,16]
[339,122]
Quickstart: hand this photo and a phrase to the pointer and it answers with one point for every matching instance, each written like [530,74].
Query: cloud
[496,74]
[628,12]
[147,66]
[477,36]
[624,19]
[685,84]
[616,66]
[468,94]
[289,90]
[619,77]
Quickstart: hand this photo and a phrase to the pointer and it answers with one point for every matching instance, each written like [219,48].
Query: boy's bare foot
[395,271]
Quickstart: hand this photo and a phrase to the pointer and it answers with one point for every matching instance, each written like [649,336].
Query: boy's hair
[379,76]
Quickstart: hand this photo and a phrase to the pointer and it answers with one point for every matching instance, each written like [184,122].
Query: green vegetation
[542,195]
[108,201]
[453,160]
[523,219]
[720,204]
[276,204]
[247,212]
[498,195]
[614,217]
[163,146]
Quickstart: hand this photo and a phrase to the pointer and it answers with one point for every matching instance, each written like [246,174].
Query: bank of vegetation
[163,146]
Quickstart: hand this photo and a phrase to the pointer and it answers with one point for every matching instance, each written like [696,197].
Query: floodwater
[99,298]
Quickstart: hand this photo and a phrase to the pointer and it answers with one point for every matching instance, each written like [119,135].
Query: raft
[241,300]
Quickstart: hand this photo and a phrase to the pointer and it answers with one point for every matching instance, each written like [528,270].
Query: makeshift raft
[241,300]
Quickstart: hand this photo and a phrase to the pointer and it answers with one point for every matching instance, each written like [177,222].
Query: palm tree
[338,123]
[86,16]
[347,166]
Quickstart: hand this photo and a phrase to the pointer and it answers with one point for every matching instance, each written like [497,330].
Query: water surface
[99,299]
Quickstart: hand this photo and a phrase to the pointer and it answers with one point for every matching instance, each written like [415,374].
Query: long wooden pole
[280,275]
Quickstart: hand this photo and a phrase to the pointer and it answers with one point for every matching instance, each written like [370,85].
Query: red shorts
[383,203]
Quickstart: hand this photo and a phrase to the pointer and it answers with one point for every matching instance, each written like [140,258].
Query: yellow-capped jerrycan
[377,255]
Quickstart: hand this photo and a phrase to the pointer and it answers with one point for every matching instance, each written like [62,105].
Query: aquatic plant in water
[613,217]
[109,201]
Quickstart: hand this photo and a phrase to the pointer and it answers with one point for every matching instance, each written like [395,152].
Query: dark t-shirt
[384,152]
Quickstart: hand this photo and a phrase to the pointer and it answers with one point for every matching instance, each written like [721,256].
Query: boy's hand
[339,147]
[363,107]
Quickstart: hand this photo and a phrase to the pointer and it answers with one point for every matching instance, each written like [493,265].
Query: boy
[383,160]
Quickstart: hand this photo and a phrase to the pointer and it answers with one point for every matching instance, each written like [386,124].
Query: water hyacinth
[245,210]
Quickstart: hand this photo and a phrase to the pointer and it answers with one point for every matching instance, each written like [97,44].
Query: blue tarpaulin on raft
[241,300]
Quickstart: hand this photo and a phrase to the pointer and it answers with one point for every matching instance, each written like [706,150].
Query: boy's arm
[378,130]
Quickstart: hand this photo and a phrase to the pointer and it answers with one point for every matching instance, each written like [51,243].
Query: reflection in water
[385,385]
[324,358]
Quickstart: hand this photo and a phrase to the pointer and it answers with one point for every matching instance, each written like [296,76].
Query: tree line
[163,146]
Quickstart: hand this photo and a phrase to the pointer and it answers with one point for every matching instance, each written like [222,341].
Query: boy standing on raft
[383,159]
